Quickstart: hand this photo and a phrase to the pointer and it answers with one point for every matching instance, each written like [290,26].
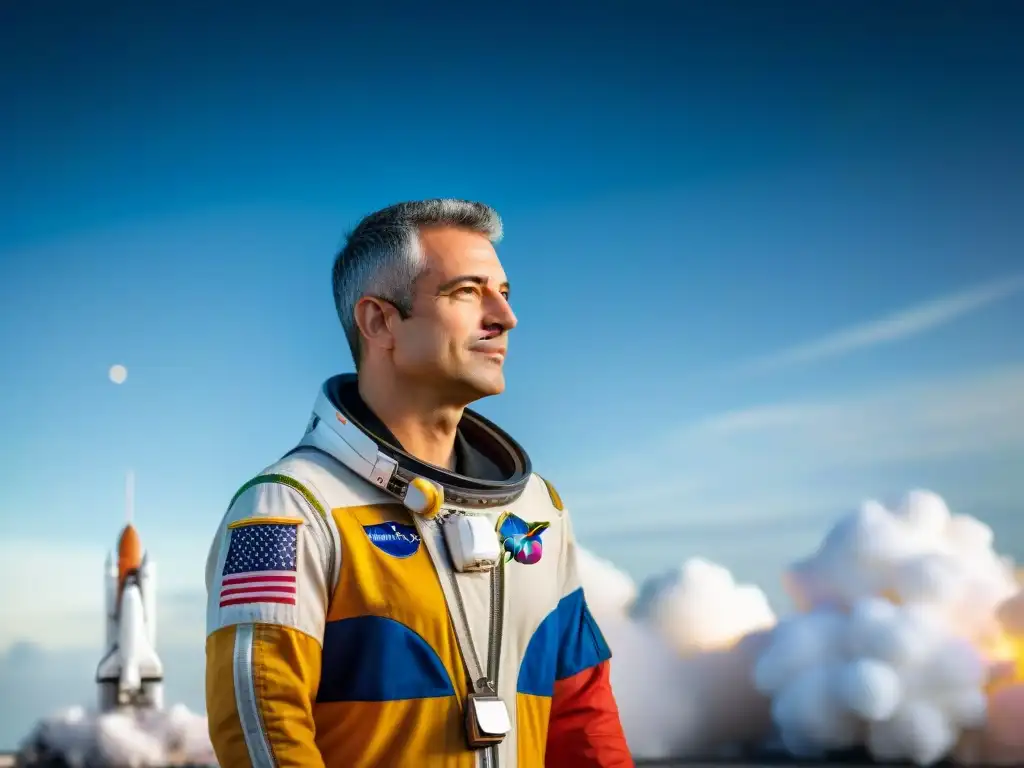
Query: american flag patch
[260,566]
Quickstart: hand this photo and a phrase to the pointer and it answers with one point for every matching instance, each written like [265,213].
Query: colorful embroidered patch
[520,540]
[260,566]
[395,539]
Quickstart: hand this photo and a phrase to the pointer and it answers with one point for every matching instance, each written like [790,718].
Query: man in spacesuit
[401,589]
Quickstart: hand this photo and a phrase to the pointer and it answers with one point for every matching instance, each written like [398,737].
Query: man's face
[457,335]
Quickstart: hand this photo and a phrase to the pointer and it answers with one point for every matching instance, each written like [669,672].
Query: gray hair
[382,256]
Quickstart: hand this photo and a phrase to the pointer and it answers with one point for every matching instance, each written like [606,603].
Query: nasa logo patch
[395,539]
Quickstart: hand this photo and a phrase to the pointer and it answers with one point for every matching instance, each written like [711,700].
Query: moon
[118,373]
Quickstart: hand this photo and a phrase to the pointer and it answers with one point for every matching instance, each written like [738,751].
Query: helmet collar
[422,487]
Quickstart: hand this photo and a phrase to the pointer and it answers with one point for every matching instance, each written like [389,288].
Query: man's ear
[375,318]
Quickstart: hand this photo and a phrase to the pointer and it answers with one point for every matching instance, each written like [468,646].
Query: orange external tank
[129,555]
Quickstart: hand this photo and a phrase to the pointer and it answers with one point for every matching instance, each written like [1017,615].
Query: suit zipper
[489,755]
[494,641]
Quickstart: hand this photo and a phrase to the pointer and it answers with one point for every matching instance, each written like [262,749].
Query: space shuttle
[130,673]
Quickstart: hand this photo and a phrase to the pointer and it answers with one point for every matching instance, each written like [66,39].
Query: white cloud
[893,327]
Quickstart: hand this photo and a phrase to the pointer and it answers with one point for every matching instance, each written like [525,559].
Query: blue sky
[766,265]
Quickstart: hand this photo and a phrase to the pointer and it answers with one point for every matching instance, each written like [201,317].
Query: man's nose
[502,314]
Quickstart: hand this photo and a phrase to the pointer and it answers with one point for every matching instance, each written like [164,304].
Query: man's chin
[485,385]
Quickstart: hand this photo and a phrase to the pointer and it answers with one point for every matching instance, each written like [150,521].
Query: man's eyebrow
[476,279]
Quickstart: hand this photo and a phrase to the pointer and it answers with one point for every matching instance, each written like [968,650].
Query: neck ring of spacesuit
[422,487]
